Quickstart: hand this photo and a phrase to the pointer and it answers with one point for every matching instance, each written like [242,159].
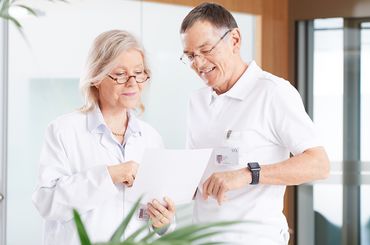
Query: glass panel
[365,94]
[365,131]
[328,90]
[328,117]
[43,83]
[365,214]
[328,208]
[328,23]
[365,25]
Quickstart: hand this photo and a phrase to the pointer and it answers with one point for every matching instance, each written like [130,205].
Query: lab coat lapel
[110,147]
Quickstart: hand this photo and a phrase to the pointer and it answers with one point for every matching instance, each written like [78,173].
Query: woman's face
[112,95]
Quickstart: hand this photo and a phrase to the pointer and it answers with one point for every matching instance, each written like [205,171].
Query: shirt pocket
[248,142]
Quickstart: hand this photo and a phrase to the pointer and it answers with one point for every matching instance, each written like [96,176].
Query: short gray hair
[104,50]
[214,13]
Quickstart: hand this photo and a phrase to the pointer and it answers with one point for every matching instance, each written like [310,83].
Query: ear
[236,40]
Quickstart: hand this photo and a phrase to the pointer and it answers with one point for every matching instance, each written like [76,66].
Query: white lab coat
[73,174]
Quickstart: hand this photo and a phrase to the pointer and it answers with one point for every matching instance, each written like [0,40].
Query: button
[1,197]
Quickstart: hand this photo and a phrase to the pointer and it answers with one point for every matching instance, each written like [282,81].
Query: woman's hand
[161,215]
[123,173]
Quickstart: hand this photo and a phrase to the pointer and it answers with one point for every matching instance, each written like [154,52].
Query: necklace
[118,134]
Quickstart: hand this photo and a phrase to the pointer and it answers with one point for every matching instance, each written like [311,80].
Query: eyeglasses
[139,78]
[189,58]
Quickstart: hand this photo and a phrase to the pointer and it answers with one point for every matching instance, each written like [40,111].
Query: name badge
[142,213]
[227,156]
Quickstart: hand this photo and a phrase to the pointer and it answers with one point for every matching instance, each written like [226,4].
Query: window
[335,80]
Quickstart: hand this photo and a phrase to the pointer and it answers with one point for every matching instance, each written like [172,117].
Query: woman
[91,156]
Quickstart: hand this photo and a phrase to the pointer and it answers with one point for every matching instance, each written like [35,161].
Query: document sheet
[172,173]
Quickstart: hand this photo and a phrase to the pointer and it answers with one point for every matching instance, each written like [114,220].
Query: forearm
[313,164]
[83,191]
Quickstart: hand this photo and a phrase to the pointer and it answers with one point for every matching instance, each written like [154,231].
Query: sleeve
[165,230]
[290,123]
[59,190]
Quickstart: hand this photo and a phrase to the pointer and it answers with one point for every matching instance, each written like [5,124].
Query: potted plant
[183,236]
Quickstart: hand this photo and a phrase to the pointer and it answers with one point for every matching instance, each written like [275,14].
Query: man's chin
[209,83]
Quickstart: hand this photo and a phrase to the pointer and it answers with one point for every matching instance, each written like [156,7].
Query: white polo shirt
[263,116]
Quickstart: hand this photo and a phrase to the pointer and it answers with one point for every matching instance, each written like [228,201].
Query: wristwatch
[255,168]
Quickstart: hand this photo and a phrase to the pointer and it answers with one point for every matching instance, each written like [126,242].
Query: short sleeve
[290,123]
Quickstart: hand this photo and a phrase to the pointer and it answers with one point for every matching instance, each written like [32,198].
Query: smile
[204,72]
[129,94]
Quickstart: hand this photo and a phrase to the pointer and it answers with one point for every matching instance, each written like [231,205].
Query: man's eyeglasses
[139,78]
[189,58]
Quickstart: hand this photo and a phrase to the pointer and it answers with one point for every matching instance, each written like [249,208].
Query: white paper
[172,173]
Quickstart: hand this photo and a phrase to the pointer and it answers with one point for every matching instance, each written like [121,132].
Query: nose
[131,81]
[198,61]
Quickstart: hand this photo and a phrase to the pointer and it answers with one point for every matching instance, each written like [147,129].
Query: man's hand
[220,183]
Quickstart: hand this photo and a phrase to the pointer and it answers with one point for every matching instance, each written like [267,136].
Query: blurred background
[321,47]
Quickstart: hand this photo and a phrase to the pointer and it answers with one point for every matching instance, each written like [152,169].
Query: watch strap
[255,177]
[254,168]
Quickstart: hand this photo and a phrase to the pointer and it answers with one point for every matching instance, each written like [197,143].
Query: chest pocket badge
[227,156]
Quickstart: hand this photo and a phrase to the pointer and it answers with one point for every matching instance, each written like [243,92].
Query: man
[253,120]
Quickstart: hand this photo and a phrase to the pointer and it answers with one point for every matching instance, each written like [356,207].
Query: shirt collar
[96,123]
[133,124]
[242,87]
[95,120]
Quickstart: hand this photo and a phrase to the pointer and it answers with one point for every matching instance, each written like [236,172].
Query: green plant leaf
[134,235]
[189,232]
[7,4]
[4,6]
[203,235]
[122,227]
[29,9]
[147,237]
[84,238]
[212,243]
[177,242]
[15,21]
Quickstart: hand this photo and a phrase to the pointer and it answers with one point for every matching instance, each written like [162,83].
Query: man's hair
[215,14]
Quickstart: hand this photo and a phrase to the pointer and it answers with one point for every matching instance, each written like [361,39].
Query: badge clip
[228,134]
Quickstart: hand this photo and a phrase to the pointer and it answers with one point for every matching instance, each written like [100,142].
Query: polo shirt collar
[242,87]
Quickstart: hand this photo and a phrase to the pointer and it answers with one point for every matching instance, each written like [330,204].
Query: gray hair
[214,13]
[104,50]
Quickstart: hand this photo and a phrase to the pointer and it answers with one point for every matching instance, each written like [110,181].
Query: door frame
[352,164]
[3,125]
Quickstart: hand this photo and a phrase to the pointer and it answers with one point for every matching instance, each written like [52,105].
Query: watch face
[253,165]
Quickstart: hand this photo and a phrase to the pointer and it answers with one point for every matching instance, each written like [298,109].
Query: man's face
[215,67]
